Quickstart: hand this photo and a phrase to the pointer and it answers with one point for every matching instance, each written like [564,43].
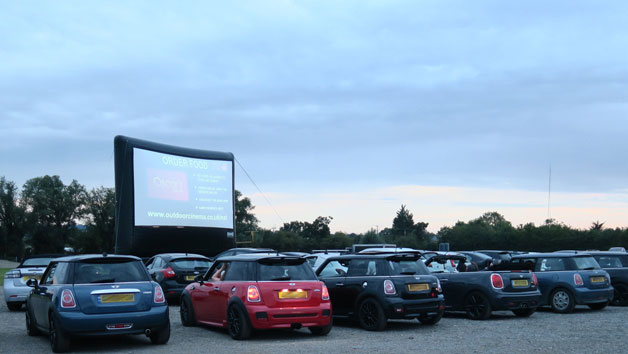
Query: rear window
[283,270]
[109,271]
[584,263]
[36,262]
[191,263]
[407,267]
[612,261]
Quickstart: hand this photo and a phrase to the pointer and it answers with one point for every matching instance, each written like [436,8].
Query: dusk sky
[335,108]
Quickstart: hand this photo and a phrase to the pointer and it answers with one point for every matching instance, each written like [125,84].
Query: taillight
[497,281]
[67,299]
[159,297]
[252,294]
[389,287]
[577,279]
[168,273]
[535,280]
[325,293]
[12,274]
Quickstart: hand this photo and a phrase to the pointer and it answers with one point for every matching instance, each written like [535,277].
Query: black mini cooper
[374,288]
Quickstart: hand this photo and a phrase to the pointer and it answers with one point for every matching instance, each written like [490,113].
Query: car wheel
[238,323]
[59,341]
[160,337]
[620,296]
[562,301]
[431,319]
[598,306]
[477,306]
[371,315]
[14,306]
[321,331]
[188,318]
[31,327]
[524,312]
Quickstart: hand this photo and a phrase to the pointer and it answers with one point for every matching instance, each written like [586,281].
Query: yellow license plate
[293,294]
[25,278]
[418,287]
[597,279]
[520,282]
[109,298]
[190,277]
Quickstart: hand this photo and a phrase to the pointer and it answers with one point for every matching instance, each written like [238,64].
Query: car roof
[82,257]
[602,253]
[551,255]
[389,250]
[44,255]
[180,255]
[370,256]
[257,256]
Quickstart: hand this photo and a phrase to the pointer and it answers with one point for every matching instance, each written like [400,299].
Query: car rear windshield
[285,270]
[398,267]
[584,263]
[109,271]
[37,262]
[190,263]
[612,261]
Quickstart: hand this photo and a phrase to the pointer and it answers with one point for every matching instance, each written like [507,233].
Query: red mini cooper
[254,291]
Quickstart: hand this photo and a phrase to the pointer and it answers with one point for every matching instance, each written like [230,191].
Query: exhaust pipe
[147,332]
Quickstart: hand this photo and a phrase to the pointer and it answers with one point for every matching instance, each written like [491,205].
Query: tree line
[46,216]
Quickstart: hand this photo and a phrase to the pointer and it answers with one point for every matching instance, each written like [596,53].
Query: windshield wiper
[112,280]
[281,278]
[588,268]
[407,273]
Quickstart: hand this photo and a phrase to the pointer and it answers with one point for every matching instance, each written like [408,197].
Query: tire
[477,306]
[431,320]
[31,326]
[160,337]
[238,324]
[14,306]
[524,312]
[59,340]
[620,296]
[371,315]
[598,306]
[562,301]
[321,331]
[186,310]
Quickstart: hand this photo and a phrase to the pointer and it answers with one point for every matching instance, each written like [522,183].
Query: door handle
[444,280]
[216,288]
[340,284]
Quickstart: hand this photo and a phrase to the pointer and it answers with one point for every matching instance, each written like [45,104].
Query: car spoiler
[403,257]
[282,259]
[442,258]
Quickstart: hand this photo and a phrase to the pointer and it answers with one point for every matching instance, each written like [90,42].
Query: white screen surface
[171,190]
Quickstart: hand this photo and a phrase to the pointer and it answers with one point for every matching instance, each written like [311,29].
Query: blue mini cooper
[96,295]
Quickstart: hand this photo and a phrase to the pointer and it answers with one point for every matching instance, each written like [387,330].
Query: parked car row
[254,289]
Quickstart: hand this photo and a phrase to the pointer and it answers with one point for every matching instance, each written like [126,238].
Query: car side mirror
[154,276]
[32,282]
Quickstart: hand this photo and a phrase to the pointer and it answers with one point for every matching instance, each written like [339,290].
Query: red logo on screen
[164,184]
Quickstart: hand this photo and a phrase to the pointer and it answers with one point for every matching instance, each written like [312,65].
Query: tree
[52,211]
[403,223]
[11,221]
[100,207]
[245,219]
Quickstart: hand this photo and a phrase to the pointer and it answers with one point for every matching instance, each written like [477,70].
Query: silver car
[15,288]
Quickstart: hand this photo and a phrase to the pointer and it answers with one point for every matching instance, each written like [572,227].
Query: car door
[333,275]
[211,301]
[42,296]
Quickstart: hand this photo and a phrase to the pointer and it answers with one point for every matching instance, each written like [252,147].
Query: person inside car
[219,274]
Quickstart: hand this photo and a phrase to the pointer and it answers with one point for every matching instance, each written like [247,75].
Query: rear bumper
[14,293]
[398,308]
[514,301]
[586,296]
[78,323]
[263,317]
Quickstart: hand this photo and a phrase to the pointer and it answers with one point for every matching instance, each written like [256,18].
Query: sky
[346,109]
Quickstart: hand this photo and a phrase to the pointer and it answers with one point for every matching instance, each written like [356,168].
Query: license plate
[418,287]
[110,298]
[25,278]
[293,294]
[598,279]
[190,277]
[520,282]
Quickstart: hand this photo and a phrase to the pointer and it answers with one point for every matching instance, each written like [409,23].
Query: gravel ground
[584,331]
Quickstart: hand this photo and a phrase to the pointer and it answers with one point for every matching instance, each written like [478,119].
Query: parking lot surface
[584,331]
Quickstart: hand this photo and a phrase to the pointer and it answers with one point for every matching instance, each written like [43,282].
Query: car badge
[365,284]
[233,290]
[520,276]
[195,272]
[115,286]
[293,284]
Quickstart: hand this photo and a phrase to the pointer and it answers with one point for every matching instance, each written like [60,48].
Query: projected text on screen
[175,190]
